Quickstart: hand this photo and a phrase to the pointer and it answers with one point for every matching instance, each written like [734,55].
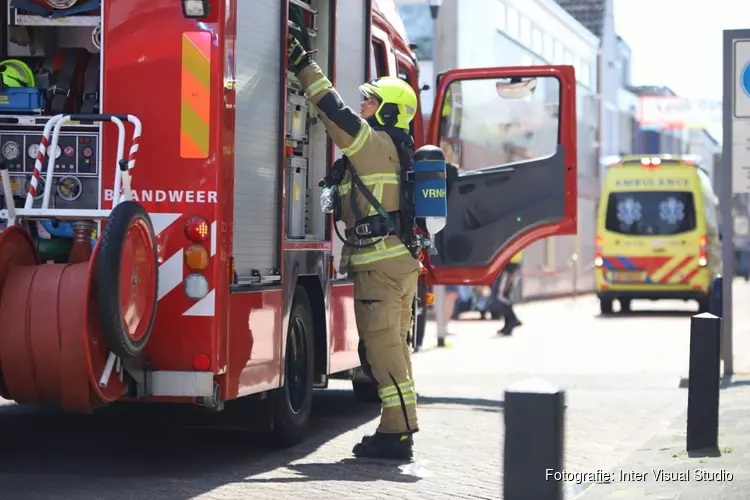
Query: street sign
[741,117]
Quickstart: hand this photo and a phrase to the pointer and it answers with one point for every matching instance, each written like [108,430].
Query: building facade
[476,33]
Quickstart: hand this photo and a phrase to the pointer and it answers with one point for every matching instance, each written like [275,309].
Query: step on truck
[161,238]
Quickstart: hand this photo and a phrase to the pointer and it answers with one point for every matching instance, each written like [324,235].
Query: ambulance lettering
[652,183]
[172,196]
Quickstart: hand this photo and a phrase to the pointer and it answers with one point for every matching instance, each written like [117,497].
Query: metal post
[703,384]
[534,441]
[439,308]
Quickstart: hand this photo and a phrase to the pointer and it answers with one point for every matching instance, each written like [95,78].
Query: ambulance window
[650,213]
[501,122]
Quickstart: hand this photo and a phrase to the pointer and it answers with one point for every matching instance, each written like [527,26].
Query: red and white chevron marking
[172,269]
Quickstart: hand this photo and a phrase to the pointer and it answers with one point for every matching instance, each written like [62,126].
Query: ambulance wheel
[605,306]
[624,305]
[703,305]
[126,276]
[293,400]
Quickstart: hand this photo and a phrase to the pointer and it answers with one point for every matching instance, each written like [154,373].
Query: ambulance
[657,231]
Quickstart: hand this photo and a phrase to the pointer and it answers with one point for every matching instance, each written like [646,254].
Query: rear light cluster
[703,251]
[598,259]
[197,231]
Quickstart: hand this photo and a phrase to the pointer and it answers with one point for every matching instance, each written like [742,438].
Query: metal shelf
[18,18]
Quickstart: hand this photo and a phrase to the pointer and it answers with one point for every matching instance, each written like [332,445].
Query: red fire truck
[206,272]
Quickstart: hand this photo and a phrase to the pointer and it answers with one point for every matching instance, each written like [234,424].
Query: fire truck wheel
[294,399]
[127,279]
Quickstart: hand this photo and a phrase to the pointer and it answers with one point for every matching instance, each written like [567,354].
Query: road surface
[621,375]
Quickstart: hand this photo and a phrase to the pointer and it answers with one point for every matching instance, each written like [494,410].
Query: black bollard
[703,382]
[534,441]
[714,298]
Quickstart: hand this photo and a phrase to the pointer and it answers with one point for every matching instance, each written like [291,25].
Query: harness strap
[388,220]
[62,82]
[373,227]
[90,104]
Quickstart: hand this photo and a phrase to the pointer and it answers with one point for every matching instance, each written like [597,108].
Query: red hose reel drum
[60,322]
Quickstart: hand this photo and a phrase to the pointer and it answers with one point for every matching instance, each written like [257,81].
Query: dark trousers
[503,287]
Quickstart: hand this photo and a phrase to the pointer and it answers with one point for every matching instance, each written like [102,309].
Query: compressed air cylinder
[430,189]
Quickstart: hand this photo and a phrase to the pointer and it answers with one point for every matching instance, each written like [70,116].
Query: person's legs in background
[504,288]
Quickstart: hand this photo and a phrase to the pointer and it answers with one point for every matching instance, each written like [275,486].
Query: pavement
[620,374]
[663,470]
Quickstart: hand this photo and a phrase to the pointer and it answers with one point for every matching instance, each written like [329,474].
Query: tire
[128,229]
[365,392]
[624,305]
[293,400]
[605,306]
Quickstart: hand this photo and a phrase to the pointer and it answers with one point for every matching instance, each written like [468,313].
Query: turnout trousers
[383,301]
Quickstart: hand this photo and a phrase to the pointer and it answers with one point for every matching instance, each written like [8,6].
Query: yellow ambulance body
[657,232]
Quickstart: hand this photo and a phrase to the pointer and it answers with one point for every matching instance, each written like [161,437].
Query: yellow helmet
[16,73]
[398,101]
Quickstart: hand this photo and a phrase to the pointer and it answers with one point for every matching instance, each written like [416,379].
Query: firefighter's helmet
[16,73]
[398,101]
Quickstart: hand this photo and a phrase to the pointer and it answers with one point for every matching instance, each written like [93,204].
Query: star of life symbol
[628,211]
[671,210]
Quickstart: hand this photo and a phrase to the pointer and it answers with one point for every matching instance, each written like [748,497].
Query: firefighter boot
[385,446]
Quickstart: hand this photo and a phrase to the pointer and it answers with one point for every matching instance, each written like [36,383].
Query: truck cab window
[378,62]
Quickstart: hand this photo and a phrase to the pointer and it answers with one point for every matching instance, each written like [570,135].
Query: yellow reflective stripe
[362,136]
[318,86]
[369,257]
[396,401]
[391,389]
[370,180]
[378,194]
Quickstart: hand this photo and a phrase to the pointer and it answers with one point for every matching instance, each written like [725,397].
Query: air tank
[430,188]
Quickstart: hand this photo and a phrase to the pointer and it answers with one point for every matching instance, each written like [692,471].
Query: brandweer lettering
[433,193]
[173,196]
[650,182]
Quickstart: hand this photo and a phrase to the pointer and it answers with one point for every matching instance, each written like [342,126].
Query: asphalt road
[620,374]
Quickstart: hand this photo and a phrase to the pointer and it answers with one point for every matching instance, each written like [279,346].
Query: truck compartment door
[512,134]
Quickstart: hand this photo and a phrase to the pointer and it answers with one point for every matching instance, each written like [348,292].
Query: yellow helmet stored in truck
[16,73]
[398,101]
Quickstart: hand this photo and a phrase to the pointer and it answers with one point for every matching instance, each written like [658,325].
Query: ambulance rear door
[512,133]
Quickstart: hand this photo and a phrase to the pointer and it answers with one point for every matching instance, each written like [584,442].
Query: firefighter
[385,271]
[502,290]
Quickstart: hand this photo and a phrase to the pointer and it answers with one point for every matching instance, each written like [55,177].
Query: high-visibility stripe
[195,116]
[391,389]
[318,86]
[359,259]
[368,180]
[362,136]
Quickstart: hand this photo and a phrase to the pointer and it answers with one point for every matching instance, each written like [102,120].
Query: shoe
[508,327]
[386,446]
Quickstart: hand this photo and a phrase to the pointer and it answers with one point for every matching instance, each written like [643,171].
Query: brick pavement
[695,476]
[620,373]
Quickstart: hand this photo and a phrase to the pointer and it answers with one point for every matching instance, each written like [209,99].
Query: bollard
[534,441]
[703,383]
[714,299]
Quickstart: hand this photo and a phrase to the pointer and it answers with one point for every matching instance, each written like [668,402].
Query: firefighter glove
[299,58]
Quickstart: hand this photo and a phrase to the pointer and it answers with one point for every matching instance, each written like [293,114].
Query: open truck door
[512,134]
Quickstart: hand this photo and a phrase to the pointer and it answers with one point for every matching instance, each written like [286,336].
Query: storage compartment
[296,199]
[50,62]
[306,138]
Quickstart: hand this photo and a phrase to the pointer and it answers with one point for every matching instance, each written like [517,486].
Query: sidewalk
[725,477]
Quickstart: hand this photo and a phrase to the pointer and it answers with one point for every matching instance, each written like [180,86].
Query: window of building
[568,58]
[513,22]
[549,47]
[559,53]
[585,76]
[537,40]
[525,31]
[502,21]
